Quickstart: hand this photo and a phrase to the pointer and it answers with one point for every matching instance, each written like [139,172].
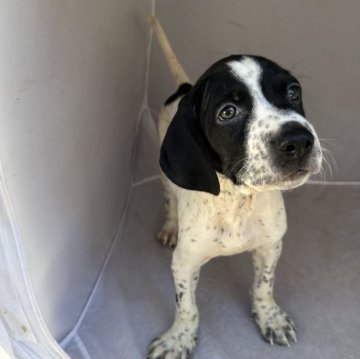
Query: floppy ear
[184,156]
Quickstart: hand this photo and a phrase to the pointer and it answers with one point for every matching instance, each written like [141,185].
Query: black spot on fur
[178,297]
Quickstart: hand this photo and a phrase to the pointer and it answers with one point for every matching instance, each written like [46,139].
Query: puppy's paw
[168,235]
[275,325]
[175,344]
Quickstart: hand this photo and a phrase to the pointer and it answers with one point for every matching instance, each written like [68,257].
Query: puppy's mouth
[293,180]
[289,181]
[300,173]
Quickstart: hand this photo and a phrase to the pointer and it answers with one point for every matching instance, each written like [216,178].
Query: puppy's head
[244,118]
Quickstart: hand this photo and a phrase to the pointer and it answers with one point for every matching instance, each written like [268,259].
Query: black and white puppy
[230,144]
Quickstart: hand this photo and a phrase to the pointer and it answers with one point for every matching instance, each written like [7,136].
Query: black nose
[294,141]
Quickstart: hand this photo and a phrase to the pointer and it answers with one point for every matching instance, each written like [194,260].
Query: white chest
[231,222]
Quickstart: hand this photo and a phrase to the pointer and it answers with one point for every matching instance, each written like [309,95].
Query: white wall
[71,87]
[317,40]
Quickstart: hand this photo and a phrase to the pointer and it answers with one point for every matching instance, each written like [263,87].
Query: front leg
[275,325]
[180,340]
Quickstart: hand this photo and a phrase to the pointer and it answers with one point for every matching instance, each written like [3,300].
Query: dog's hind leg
[169,232]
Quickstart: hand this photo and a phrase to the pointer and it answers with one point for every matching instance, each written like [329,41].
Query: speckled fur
[266,121]
[248,217]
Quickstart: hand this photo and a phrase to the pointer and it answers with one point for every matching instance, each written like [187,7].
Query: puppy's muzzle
[292,147]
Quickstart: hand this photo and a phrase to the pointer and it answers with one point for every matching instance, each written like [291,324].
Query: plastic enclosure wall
[72,85]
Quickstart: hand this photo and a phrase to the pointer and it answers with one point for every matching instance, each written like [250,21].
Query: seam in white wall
[75,329]
[144,106]
[334,183]
[145,180]
[80,344]
[148,55]
[311,182]
[74,332]
[144,109]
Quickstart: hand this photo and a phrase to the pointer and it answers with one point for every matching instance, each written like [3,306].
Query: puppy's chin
[294,181]
[286,183]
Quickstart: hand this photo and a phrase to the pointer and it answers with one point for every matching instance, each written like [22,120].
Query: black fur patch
[181,91]
[274,82]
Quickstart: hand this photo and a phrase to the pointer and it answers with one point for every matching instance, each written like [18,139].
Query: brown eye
[227,112]
[294,93]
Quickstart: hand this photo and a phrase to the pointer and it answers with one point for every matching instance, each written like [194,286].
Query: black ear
[184,156]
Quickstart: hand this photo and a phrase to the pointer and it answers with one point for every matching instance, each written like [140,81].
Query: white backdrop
[79,176]
[71,90]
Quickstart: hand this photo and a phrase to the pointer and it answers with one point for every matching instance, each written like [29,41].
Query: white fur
[206,226]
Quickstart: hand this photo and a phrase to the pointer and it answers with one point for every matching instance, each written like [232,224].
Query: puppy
[230,144]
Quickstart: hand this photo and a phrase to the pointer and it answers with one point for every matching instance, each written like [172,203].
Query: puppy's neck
[239,197]
[227,187]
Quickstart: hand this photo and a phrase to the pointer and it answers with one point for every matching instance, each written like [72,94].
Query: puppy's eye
[294,93]
[227,112]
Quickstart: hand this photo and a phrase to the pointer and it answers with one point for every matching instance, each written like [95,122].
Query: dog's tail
[176,69]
